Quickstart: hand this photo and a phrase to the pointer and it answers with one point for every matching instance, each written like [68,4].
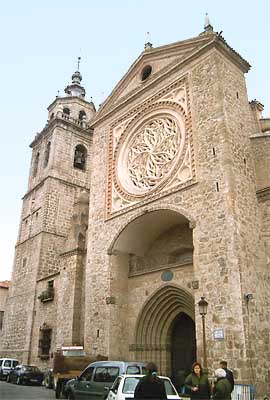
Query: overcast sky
[41,40]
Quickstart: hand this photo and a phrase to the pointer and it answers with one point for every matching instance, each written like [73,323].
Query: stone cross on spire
[207,25]
[148,45]
[78,63]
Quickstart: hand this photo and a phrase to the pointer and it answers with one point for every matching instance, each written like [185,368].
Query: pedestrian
[229,374]
[197,383]
[222,387]
[150,386]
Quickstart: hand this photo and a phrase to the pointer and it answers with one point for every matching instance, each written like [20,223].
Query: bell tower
[59,174]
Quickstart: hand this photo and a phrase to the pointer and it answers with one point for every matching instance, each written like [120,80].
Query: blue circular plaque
[167,276]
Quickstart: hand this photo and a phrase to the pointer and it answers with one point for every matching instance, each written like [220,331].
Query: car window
[106,374]
[15,363]
[169,388]
[7,363]
[130,385]
[87,374]
[133,370]
[30,368]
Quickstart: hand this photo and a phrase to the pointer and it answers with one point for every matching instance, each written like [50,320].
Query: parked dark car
[25,374]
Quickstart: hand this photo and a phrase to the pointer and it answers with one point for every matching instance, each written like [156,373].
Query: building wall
[224,206]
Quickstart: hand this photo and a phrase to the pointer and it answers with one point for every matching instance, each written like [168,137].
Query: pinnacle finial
[78,63]
[207,24]
[148,45]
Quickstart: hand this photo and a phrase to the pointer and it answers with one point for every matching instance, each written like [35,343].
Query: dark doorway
[183,346]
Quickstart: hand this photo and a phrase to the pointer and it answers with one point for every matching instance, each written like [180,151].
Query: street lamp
[203,311]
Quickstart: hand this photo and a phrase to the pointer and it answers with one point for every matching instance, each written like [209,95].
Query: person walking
[150,386]
[222,387]
[197,383]
[229,374]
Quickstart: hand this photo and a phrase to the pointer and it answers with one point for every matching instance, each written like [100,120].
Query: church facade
[136,211]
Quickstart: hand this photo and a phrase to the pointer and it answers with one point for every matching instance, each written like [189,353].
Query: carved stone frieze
[150,149]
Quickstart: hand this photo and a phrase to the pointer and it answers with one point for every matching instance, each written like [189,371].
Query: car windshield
[130,385]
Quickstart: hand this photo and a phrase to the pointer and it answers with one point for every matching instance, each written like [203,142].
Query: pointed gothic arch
[156,323]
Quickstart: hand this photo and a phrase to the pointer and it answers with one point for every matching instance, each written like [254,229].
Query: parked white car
[124,387]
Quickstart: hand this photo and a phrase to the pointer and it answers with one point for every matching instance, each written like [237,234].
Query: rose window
[149,153]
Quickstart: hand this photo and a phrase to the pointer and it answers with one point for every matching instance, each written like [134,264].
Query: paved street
[24,392]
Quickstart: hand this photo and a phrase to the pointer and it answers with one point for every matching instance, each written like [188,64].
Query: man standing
[229,374]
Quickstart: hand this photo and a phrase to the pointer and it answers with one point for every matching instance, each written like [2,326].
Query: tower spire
[76,89]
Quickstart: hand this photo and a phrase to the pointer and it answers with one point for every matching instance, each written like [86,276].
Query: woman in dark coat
[197,383]
[223,387]
[150,386]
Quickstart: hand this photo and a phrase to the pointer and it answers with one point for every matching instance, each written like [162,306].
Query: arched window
[81,115]
[47,154]
[80,157]
[66,111]
[36,161]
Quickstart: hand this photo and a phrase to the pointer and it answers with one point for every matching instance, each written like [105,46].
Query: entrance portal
[165,331]
[183,348]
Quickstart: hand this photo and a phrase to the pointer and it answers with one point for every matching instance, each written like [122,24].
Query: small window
[146,72]
[80,157]
[36,162]
[47,154]
[66,111]
[106,374]
[1,320]
[82,114]
[45,342]
[50,284]
[87,374]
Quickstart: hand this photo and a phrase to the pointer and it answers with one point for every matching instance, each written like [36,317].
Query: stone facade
[3,299]
[135,212]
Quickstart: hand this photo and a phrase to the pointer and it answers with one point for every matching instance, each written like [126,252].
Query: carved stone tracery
[150,151]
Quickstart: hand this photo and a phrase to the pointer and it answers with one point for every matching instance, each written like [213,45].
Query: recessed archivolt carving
[150,152]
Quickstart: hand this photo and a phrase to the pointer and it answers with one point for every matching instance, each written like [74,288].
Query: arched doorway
[165,331]
[183,348]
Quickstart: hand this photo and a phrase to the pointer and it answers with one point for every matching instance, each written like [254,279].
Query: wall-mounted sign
[219,334]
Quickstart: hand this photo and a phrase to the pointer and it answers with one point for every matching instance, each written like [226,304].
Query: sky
[39,45]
